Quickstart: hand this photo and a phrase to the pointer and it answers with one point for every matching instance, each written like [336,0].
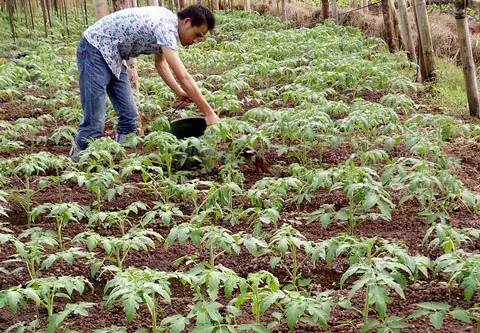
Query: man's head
[193,24]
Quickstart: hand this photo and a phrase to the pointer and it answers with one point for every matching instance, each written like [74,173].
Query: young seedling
[286,243]
[36,253]
[216,239]
[63,213]
[43,292]
[163,213]
[104,184]
[121,218]
[437,311]
[449,238]
[463,268]
[25,169]
[262,289]
[135,286]
[117,249]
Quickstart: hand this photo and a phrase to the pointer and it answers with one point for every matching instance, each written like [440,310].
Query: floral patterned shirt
[130,32]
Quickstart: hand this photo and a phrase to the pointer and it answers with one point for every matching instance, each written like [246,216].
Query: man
[128,33]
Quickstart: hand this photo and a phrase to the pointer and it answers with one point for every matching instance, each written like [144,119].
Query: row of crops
[351,217]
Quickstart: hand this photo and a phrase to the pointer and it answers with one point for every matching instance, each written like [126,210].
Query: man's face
[190,34]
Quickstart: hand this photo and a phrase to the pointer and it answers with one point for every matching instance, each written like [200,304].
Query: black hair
[199,15]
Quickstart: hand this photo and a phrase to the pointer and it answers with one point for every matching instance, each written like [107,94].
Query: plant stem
[212,256]
[366,307]
[117,257]
[294,267]
[59,235]
[31,269]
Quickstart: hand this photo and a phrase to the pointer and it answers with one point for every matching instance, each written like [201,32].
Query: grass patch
[448,92]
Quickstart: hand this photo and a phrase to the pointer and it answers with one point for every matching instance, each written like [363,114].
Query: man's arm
[188,84]
[164,71]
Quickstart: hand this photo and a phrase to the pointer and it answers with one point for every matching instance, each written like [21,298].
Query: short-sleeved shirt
[130,32]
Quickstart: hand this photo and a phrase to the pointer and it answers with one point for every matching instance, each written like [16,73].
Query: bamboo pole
[389,28]
[467,59]
[423,27]
[405,30]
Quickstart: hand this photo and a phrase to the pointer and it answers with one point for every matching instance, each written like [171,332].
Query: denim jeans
[96,79]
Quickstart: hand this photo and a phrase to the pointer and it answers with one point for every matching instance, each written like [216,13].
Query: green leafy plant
[35,253]
[287,242]
[463,268]
[121,218]
[63,213]
[449,238]
[437,311]
[44,293]
[117,248]
[136,286]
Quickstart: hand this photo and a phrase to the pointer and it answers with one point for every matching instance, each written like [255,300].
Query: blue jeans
[96,79]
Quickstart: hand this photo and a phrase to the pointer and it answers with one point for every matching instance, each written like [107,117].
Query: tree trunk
[396,23]
[45,19]
[365,5]
[64,2]
[423,27]
[325,9]
[335,11]
[101,8]
[405,30]
[85,12]
[388,24]
[10,8]
[467,59]
[47,2]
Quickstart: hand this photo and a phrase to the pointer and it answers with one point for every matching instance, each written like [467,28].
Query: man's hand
[183,97]
[212,118]
[188,84]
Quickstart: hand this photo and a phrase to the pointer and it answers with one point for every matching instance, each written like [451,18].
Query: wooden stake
[405,30]
[423,27]
[389,28]
[467,59]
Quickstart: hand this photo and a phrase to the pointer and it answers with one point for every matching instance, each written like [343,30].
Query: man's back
[131,32]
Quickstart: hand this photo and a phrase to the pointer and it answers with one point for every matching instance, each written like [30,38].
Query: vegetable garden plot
[351,216]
